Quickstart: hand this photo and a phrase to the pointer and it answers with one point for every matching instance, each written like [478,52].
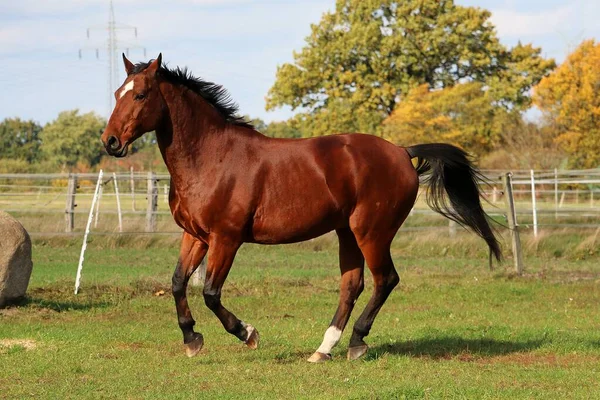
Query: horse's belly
[287,224]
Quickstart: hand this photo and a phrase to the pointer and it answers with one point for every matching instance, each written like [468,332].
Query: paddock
[451,328]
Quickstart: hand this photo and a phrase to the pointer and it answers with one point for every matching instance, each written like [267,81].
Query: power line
[113,46]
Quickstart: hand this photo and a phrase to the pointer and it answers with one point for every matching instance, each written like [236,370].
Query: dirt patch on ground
[27,344]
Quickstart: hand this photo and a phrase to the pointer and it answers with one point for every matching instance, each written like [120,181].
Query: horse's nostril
[113,142]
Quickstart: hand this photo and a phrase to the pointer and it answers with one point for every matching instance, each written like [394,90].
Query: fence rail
[133,202]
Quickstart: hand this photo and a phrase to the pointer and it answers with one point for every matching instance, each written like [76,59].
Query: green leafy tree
[364,57]
[282,129]
[277,129]
[20,140]
[257,123]
[73,138]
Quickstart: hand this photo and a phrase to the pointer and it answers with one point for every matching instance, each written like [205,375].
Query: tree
[362,59]
[257,123]
[73,138]
[282,129]
[464,115]
[570,101]
[277,129]
[20,140]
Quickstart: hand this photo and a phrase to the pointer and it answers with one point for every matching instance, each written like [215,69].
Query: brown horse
[230,184]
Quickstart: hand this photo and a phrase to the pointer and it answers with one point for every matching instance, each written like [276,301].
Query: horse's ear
[128,65]
[155,65]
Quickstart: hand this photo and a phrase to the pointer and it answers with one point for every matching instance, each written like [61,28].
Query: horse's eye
[140,96]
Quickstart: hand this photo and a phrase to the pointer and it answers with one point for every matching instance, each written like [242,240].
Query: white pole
[118,203]
[98,205]
[132,183]
[200,274]
[166,194]
[555,192]
[87,231]
[533,203]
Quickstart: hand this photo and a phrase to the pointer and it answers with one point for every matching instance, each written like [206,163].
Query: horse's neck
[194,134]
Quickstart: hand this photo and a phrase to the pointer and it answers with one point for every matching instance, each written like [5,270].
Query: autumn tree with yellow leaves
[570,101]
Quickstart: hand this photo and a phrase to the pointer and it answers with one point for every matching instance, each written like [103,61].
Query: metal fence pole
[534,205]
[132,184]
[70,206]
[555,193]
[118,198]
[452,228]
[200,274]
[101,190]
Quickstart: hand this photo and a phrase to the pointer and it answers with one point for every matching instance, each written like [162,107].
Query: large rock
[15,260]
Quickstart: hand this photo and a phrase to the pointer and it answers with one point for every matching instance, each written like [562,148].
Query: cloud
[52,7]
[236,43]
[515,24]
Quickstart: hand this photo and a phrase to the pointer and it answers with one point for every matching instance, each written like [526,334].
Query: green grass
[452,329]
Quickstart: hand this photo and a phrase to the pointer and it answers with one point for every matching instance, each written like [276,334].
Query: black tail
[452,176]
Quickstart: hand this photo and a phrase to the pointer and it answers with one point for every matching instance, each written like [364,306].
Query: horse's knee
[212,300]
[178,284]
[392,280]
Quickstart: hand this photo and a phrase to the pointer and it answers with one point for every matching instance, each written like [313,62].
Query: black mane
[216,95]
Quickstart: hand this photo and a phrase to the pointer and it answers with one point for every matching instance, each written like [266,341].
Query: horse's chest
[187,216]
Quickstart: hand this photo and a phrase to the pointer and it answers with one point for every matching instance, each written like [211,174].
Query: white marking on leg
[249,329]
[126,89]
[331,338]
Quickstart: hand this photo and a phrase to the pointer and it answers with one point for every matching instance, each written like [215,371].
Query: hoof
[319,357]
[357,352]
[253,337]
[192,348]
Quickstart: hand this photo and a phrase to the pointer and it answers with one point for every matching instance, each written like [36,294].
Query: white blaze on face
[332,337]
[126,89]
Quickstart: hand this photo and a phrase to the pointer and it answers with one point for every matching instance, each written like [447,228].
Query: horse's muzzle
[114,147]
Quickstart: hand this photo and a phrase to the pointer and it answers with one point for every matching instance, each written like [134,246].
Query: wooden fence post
[70,206]
[152,196]
[513,225]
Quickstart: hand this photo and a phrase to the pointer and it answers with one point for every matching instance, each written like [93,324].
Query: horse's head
[139,109]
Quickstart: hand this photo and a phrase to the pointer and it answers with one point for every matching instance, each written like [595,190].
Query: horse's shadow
[450,346]
[57,305]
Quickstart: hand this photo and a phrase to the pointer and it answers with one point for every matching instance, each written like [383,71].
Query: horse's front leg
[220,259]
[190,256]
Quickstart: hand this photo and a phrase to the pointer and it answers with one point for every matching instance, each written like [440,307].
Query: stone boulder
[15,260]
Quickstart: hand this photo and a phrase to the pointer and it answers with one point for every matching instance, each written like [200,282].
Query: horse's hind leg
[190,256]
[352,265]
[220,260]
[385,278]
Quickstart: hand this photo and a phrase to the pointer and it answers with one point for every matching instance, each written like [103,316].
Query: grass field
[452,329]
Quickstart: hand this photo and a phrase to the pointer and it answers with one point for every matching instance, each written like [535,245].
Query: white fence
[138,202]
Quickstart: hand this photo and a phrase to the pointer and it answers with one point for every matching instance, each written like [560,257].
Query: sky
[236,43]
